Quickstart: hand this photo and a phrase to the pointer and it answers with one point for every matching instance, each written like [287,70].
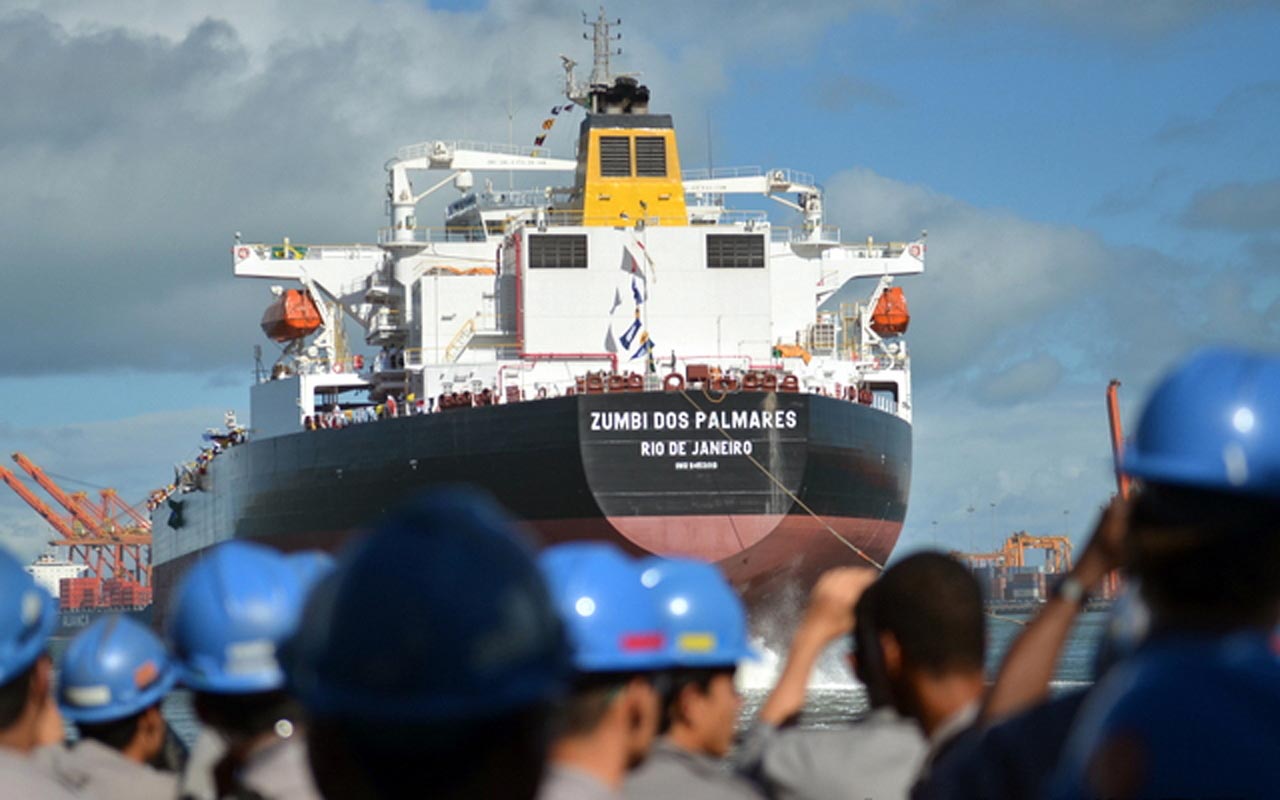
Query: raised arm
[828,616]
[1024,676]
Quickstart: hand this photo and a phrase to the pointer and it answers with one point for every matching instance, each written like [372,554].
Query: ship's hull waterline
[774,487]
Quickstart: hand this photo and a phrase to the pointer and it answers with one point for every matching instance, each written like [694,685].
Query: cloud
[1237,207]
[1032,461]
[1030,377]
[1239,108]
[842,92]
[138,137]
[1136,198]
[987,271]
[1147,19]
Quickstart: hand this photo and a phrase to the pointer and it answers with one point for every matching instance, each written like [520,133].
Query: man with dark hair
[1193,712]
[706,629]
[429,661]
[923,620]
[877,756]
[232,611]
[610,719]
[113,677]
[28,716]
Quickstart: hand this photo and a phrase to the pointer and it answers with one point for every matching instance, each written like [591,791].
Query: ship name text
[782,419]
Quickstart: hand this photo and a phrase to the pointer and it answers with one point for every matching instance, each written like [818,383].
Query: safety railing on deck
[427,149]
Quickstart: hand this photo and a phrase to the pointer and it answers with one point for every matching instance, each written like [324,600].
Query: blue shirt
[1186,716]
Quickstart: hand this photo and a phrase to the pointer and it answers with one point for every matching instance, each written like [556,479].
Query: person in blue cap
[1193,713]
[27,709]
[706,628]
[232,611]
[430,660]
[608,724]
[113,677]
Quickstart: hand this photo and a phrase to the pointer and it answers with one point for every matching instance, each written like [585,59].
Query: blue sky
[1100,182]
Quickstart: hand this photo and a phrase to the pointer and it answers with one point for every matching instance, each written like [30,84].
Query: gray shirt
[281,771]
[104,772]
[278,770]
[877,757]
[566,783]
[25,777]
[673,772]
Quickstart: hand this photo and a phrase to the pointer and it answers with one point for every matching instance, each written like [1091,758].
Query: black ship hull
[774,487]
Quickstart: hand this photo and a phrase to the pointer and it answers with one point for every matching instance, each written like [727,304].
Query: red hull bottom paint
[776,552]
[762,555]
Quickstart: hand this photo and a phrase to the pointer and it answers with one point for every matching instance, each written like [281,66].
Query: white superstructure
[621,270]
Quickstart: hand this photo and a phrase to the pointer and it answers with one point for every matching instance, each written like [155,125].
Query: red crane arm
[62,524]
[64,500]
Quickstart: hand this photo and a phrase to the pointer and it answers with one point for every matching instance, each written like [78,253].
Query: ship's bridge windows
[557,251]
[651,157]
[615,156]
[735,251]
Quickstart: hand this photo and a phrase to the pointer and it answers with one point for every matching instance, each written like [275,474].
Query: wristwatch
[1071,589]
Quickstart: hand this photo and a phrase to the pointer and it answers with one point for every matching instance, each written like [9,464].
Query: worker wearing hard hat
[609,722]
[232,611]
[28,715]
[1193,712]
[706,629]
[430,660]
[114,675]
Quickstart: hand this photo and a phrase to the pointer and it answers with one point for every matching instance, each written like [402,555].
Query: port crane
[110,537]
[1057,553]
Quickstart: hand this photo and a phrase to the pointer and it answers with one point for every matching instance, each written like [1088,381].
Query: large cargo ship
[618,356]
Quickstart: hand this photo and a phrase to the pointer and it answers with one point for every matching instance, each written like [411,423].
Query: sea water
[835,697]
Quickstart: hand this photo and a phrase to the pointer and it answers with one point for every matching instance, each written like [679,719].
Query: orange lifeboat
[293,316]
[891,317]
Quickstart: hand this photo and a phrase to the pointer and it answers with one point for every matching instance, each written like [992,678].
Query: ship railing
[312,252]
[885,403]
[515,198]
[827,234]
[874,249]
[450,233]
[784,174]
[738,218]
[426,149]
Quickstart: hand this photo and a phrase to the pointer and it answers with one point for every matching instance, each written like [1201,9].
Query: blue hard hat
[112,669]
[705,620]
[233,609]
[310,566]
[27,618]
[1213,423]
[612,619]
[439,615]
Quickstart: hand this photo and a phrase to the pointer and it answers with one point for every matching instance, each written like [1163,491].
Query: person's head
[27,619]
[706,627]
[113,677]
[922,625]
[1204,531]
[619,647]
[433,649]
[232,611]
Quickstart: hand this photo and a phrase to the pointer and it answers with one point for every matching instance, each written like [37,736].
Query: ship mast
[588,94]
